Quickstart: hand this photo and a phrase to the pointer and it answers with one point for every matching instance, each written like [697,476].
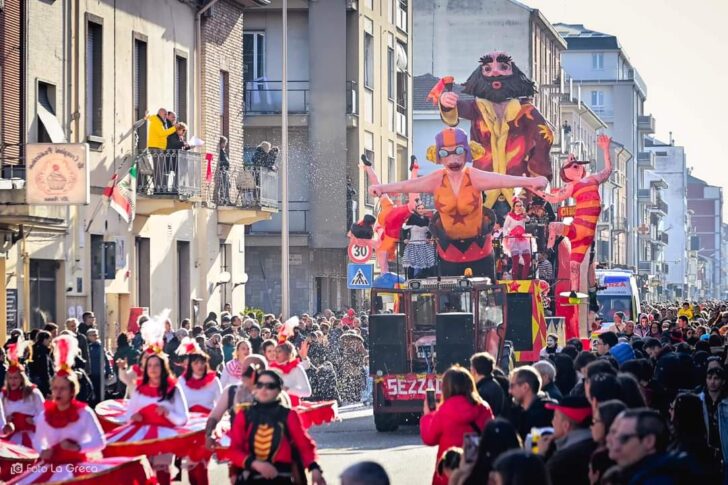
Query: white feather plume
[153,329]
[65,350]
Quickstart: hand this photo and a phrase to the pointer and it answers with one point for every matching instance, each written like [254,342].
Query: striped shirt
[545,270]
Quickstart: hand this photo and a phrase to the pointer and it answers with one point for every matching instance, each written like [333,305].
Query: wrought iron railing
[169,172]
[249,187]
[264,97]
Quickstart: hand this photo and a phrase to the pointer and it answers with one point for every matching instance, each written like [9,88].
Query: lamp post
[285,302]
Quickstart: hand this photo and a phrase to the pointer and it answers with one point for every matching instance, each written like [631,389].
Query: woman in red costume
[265,435]
[295,380]
[68,434]
[202,390]
[585,192]
[21,400]
[158,422]
[517,244]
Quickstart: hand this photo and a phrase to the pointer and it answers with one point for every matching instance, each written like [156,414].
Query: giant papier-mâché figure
[584,189]
[516,138]
[461,226]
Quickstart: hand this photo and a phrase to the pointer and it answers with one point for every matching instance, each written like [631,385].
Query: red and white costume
[78,425]
[201,394]
[18,410]
[516,242]
[295,380]
[232,373]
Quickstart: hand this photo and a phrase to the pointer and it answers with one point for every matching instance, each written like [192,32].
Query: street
[354,439]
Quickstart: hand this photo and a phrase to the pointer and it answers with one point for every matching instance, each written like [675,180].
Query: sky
[681,51]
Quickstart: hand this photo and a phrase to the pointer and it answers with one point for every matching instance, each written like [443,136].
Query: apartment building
[706,203]
[349,93]
[85,73]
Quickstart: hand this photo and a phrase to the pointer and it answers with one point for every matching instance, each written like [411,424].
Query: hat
[622,352]
[225,318]
[454,137]
[576,408]
[569,160]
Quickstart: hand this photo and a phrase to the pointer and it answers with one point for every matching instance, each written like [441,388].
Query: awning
[51,124]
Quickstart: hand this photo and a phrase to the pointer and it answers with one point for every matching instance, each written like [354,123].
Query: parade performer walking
[22,401]
[461,227]
[158,422]
[268,441]
[67,435]
[202,390]
[585,192]
[515,136]
[295,380]
[517,244]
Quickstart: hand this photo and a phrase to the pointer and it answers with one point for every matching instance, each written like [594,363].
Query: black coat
[536,416]
[40,369]
[492,393]
[571,464]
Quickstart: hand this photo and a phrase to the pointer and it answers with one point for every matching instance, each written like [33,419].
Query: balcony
[646,160]
[263,103]
[647,267]
[250,195]
[619,225]
[660,206]
[167,181]
[663,238]
[644,195]
[606,115]
[646,124]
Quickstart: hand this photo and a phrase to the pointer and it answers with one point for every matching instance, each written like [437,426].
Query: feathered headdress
[15,352]
[153,334]
[188,346]
[64,354]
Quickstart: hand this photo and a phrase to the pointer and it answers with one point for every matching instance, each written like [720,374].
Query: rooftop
[579,37]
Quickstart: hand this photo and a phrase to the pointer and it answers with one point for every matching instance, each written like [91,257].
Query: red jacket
[240,444]
[446,426]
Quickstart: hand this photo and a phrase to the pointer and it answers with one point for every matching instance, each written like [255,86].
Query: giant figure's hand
[537,183]
[604,141]
[375,190]
[449,100]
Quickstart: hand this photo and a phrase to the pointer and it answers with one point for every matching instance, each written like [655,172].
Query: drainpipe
[198,64]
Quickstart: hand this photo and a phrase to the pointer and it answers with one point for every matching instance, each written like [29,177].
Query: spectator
[176,361]
[519,467]
[159,129]
[622,352]
[547,371]
[222,187]
[461,411]
[567,451]
[691,435]
[481,366]
[228,348]
[565,374]
[88,320]
[256,339]
[364,473]
[168,331]
[72,326]
[552,342]
[233,369]
[214,350]
[525,387]
[686,311]
[605,341]
[98,364]
[714,394]
[40,369]
[602,420]
[498,436]
[544,268]
[630,391]
[602,387]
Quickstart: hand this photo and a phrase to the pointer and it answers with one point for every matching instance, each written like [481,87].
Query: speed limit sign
[360,251]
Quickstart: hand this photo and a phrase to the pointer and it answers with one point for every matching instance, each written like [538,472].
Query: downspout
[198,64]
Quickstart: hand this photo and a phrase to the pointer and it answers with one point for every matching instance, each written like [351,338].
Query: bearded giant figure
[516,138]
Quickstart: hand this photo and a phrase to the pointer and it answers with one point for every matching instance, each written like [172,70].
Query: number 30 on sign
[359,251]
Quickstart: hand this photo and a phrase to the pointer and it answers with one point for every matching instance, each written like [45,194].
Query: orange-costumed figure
[585,192]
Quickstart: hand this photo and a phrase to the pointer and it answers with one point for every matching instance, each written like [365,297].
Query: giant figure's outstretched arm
[414,170]
[428,183]
[489,180]
[604,143]
[560,196]
[452,108]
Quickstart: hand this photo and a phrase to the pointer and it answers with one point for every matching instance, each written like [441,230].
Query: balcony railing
[171,172]
[646,160]
[663,237]
[646,123]
[660,206]
[647,267]
[619,224]
[643,194]
[264,97]
[254,188]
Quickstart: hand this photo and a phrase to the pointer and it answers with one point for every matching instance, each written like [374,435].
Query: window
[46,107]
[253,55]
[180,87]
[597,99]
[598,61]
[368,60]
[391,169]
[94,84]
[402,15]
[139,85]
[390,73]
[225,104]
[225,258]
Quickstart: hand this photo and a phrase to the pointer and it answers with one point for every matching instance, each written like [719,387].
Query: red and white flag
[122,196]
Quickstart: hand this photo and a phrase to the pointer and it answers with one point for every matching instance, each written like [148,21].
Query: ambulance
[617,292]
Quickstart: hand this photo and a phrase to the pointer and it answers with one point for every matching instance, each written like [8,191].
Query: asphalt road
[354,439]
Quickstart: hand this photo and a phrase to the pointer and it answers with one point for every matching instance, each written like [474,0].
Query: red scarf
[153,391]
[137,370]
[285,368]
[13,394]
[516,217]
[60,419]
[193,383]
[234,368]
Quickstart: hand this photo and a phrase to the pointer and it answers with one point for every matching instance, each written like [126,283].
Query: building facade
[87,74]
[614,90]
[349,92]
[706,203]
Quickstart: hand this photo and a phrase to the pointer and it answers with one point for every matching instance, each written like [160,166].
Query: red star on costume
[458,218]
[514,287]
[476,201]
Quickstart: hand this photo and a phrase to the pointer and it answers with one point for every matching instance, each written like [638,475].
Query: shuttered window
[225,104]
[139,87]
[12,53]
[180,87]
[94,82]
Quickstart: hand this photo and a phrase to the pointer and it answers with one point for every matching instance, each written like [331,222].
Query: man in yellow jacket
[159,129]
[686,310]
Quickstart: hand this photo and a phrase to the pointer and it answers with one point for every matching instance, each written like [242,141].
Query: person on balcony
[159,129]
[170,175]
[222,179]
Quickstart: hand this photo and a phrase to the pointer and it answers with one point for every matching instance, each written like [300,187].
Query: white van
[618,293]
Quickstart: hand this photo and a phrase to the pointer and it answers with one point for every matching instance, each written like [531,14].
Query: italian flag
[122,196]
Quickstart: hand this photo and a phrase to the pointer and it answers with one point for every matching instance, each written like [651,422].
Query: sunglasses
[442,153]
[271,386]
